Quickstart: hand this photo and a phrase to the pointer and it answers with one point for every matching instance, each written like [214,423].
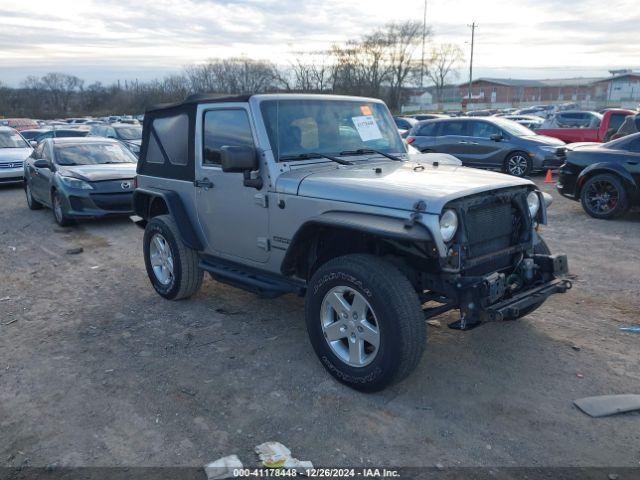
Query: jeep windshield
[299,128]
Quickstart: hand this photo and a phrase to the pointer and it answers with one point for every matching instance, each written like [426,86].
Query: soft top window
[173,134]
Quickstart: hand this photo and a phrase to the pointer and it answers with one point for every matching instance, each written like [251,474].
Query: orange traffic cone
[548,178]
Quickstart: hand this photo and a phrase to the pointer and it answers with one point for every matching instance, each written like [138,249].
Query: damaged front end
[496,266]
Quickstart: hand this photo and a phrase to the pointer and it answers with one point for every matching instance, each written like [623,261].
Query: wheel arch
[337,233]
[150,203]
[630,185]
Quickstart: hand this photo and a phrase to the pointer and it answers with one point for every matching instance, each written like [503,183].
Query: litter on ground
[604,405]
[276,455]
[223,467]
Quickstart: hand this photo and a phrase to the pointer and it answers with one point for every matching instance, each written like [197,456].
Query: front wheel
[518,164]
[364,321]
[57,205]
[172,267]
[31,202]
[603,196]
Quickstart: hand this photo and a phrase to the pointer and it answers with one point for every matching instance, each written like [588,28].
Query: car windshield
[514,128]
[12,140]
[300,127]
[129,133]
[92,154]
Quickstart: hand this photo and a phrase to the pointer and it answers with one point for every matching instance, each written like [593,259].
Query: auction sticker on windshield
[367,128]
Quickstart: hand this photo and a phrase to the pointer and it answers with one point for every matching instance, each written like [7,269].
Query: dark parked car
[405,123]
[80,178]
[490,142]
[129,135]
[605,177]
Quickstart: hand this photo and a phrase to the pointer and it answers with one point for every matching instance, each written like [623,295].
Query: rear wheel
[172,267]
[31,202]
[364,321]
[518,164]
[603,196]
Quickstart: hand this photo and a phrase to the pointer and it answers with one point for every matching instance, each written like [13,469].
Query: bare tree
[443,61]
[403,40]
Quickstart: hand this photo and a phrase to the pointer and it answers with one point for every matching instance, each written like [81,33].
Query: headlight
[533,201]
[76,183]
[448,225]
[549,149]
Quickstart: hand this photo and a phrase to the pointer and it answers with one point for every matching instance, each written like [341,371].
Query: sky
[107,40]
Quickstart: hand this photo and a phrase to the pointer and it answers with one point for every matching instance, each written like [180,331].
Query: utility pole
[473,32]
[424,35]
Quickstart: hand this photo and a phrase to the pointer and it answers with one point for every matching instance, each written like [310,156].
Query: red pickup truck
[563,125]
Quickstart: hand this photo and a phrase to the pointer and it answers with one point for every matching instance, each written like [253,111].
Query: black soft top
[197,98]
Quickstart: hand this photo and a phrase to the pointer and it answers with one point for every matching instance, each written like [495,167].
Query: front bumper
[491,298]
[11,174]
[99,205]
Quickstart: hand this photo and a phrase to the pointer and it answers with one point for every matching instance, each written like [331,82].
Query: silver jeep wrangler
[317,195]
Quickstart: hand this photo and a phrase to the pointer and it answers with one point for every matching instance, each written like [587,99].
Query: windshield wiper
[309,156]
[364,151]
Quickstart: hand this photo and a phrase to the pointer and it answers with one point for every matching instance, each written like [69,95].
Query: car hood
[97,173]
[584,146]
[543,140]
[8,155]
[399,185]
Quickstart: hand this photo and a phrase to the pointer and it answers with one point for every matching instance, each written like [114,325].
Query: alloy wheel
[602,197]
[517,165]
[161,259]
[350,326]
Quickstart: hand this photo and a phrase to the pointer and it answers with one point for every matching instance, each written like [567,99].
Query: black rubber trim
[176,209]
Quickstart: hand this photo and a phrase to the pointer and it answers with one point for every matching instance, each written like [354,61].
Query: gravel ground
[98,370]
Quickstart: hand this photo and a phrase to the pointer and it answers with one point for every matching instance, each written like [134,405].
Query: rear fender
[608,167]
[143,199]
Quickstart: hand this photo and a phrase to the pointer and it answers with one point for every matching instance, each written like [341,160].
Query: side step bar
[250,279]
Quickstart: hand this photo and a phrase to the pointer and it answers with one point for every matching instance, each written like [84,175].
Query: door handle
[203,183]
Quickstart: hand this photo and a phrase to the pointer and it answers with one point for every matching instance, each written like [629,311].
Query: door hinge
[261,199]
[263,243]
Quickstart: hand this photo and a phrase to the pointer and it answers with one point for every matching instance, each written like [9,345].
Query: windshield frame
[389,132]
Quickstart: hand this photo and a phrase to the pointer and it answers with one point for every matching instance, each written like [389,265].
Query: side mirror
[41,163]
[496,137]
[238,159]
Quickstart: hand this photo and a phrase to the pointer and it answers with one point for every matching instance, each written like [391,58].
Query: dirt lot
[97,370]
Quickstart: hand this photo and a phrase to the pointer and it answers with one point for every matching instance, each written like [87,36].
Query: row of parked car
[605,177]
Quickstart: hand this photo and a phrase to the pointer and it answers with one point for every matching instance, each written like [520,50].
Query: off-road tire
[540,248]
[187,276]
[396,306]
[32,203]
[59,216]
[526,172]
[623,199]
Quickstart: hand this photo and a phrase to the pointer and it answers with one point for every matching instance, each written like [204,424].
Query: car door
[41,176]
[482,151]
[454,139]
[233,217]
[632,162]
[425,136]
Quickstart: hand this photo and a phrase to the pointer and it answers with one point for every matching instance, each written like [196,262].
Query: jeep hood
[97,173]
[397,186]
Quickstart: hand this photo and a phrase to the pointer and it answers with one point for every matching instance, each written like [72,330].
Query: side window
[225,128]
[428,129]
[453,128]
[616,120]
[484,130]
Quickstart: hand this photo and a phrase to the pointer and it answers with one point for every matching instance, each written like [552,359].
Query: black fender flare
[142,199]
[608,167]
[382,226]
